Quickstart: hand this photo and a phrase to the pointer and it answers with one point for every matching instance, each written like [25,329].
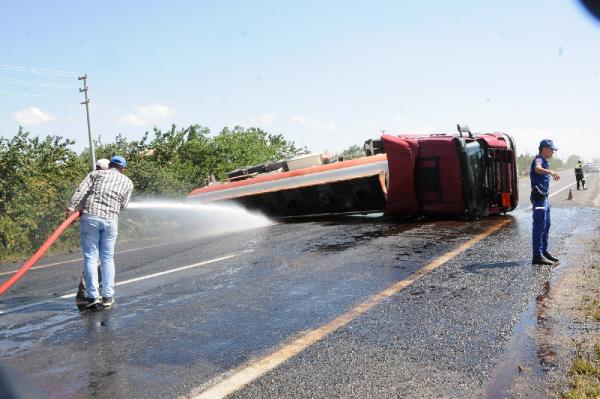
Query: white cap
[102,163]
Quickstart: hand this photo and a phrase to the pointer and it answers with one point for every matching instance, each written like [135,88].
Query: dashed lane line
[178,269]
[236,379]
[133,280]
[556,192]
[64,262]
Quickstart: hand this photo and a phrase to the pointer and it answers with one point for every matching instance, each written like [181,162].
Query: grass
[583,387]
[585,369]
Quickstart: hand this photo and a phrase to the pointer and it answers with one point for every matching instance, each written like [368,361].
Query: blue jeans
[541,227]
[98,237]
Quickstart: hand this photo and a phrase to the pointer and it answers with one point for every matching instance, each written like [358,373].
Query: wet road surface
[212,308]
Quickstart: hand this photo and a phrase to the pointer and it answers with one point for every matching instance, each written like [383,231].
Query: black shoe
[107,302]
[81,299]
[549,256]
[93,302]
[540,260]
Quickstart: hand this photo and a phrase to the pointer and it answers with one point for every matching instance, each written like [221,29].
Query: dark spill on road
[352,240]
[443,231]
[530,355]
[520,348]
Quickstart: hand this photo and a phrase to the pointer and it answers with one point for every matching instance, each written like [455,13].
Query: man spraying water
[80,298]
[101,196]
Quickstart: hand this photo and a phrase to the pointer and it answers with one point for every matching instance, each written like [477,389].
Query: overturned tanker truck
[408,175]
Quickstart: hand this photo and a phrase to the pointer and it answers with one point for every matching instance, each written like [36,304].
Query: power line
[36,95]
[35,83]
[23,82]
[54,72]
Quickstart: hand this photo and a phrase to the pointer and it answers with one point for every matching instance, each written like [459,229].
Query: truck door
[474,173]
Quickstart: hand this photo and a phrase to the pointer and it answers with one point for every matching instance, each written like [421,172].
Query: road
[341,307]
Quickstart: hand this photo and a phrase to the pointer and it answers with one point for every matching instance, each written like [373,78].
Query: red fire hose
[38,254]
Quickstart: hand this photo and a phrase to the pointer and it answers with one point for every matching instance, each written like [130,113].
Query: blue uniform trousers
[541,226]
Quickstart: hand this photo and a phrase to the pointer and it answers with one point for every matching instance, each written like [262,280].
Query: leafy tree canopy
[40,174]
[354,151]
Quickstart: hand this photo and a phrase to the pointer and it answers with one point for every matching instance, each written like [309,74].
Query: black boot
[540,260]
[80,298]
[549,256]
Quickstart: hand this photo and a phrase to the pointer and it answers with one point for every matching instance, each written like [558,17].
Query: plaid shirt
[102,193]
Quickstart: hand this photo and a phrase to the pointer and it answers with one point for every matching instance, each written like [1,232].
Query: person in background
[100,197]
[540,174]
[102,164]
[80,298]
[579,175]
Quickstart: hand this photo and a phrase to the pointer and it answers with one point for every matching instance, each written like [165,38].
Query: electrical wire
[35,83]
[54,72]
[36,95]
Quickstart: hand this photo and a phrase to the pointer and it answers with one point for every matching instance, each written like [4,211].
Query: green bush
[37,177]
[40,175]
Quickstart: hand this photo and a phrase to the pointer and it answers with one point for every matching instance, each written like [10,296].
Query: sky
[325,74]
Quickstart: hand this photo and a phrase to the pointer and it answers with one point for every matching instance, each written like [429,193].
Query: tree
[38,176]
[354,151]
[572,161]
[232,149]
[556,163]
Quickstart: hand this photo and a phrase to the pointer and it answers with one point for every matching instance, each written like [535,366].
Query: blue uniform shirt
[542,181]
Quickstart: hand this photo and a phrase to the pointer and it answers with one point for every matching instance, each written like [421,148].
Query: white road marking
[64,262]
[133,280]
[556,192]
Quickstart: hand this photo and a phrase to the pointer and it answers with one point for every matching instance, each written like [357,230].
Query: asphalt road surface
[341,307]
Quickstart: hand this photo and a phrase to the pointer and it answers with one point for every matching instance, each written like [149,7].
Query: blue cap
[548,143]
[119,160]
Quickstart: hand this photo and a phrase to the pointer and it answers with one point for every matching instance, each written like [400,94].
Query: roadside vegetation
[38,175]
[524,163]
[584,373]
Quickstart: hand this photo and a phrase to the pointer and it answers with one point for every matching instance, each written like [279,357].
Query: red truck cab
[472,175]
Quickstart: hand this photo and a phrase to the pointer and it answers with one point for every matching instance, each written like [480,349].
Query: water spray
[195,217]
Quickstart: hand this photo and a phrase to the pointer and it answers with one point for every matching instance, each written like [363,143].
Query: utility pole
[87,111]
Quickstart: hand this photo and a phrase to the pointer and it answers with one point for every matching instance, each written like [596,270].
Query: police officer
[540,185]
[579,175]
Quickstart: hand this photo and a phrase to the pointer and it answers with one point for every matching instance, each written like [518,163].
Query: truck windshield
[475,178]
